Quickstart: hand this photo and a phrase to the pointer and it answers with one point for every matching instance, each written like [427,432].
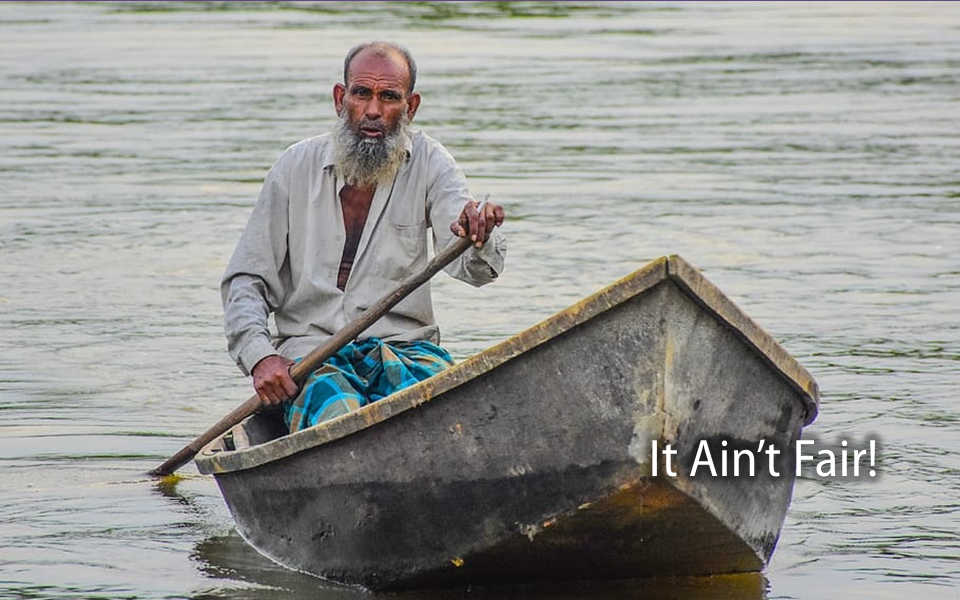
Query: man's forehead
[379,63]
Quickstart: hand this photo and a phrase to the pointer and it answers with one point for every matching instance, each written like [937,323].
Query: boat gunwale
[667,268]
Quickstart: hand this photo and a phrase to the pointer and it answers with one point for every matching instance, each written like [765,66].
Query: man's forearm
[245,316]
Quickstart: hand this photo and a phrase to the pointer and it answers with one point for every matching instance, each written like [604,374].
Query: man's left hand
[478,224]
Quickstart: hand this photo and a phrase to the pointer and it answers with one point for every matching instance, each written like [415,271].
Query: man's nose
[372,109]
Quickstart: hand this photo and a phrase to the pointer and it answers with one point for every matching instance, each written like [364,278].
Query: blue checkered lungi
[361,373]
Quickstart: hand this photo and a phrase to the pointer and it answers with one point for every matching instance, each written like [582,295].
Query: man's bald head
[384,49]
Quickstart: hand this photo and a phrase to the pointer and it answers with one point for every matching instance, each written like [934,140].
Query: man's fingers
[273,382]
[267,394]
[282,388]
[290,388]
[481,230]
[478,221]
[277,388]
[267,397]
[498,215]
[472,219]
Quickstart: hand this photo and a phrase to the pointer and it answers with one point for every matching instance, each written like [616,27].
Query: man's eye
[391,96]
[361,93]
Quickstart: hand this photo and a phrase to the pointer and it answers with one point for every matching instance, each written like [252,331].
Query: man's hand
[271,379]
[478,225]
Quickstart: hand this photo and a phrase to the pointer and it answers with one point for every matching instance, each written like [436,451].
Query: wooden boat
[533,460]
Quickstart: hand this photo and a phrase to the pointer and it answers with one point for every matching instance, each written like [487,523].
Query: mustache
[373,125]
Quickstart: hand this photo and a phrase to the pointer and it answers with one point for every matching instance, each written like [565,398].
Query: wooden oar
[314,359]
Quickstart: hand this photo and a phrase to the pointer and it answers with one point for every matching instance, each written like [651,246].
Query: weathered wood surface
[532,459]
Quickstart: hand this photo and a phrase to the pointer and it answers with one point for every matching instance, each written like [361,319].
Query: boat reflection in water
[243,574]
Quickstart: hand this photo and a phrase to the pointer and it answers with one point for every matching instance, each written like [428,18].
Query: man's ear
[339,91]
[413,103]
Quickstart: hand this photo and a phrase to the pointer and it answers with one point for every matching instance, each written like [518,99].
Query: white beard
[364,162]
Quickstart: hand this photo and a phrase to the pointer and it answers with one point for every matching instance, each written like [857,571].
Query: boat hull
[534,460]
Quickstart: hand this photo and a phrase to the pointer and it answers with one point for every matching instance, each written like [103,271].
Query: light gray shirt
[288,257]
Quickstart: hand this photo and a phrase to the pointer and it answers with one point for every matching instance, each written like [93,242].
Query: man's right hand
[271,379]
[477,224]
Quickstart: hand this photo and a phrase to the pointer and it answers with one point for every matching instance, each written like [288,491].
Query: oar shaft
[186,453]
[312,361]
[315,358]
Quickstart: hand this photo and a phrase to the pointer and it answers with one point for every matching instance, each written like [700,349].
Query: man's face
[375,98]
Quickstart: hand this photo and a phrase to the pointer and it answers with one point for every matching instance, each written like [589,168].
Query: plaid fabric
[361,373]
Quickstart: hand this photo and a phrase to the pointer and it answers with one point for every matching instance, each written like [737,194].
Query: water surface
[803,155]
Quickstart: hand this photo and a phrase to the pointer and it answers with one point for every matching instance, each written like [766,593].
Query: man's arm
[252,288]
[453,212]
[246,312]
[245,323]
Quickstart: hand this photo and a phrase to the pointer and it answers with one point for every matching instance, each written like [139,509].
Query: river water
[803,155]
